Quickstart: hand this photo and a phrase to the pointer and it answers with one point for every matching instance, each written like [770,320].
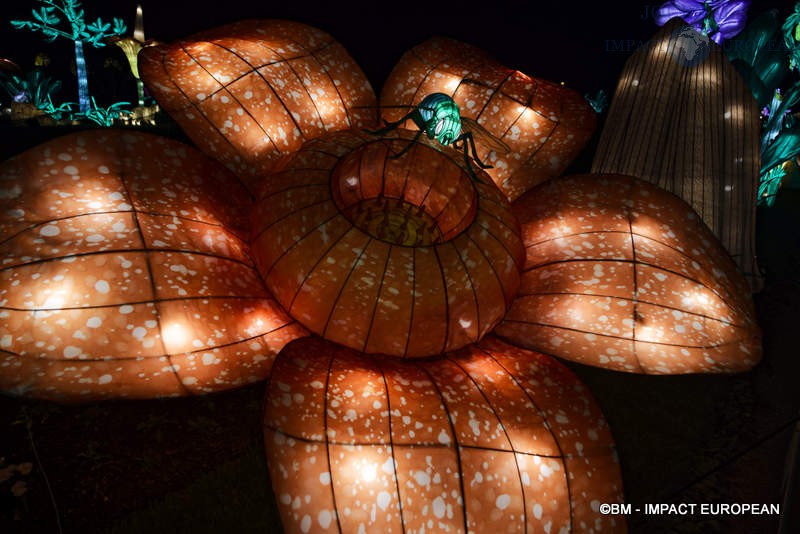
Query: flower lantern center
[418,198]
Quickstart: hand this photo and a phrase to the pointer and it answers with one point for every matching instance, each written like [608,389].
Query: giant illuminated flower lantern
[394,246]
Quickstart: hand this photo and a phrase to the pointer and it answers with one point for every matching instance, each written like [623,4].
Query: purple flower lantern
[719,19]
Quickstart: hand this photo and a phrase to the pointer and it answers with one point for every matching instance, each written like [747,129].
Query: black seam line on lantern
[504,133]
[307,185]
[493,215]
[430,189]
[287,62]
[327,71]
[467,213]
[283,59]
[547,425]
[295,209]
[325,433]
[408,170]
[378,300]
[34,225]
[151,277]
[112,359]
[533,94]
[415,445]
[687,133]
[643,70]
[495,91]
[590,232]
[519,117]
[196,108]
[324,254]
[454,441]
[319,117]
[302,208]
[484,261]
[446,205]
[144,250]
[474,293]
[535,152]
[446,302]
[634,263]
[241,76]
[413,300]
[224,87]
[509,225]
[266,296]
[506,296]
[494,271]
[299,79]
[626,233]
[316,144]
[488,228]
[355,265]
[493,409]
[695,314]
[622,338]
[447,151]
[391,447]
[646,70]
[313,53]
[430,70]
[496,196]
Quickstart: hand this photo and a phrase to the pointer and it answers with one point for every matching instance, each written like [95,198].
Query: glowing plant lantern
[48,19]
[684,119]
[544,125]
[624,275]
[253,91]
[125,273]
[130,47]
[407,256]
[490,438]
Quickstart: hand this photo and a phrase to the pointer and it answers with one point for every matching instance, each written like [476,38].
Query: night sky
[581,43]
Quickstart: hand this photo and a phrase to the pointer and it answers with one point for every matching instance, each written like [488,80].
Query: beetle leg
[460,144]
[467,138]
[407,147]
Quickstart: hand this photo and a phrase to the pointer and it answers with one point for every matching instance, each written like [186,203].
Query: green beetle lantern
[439,117]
